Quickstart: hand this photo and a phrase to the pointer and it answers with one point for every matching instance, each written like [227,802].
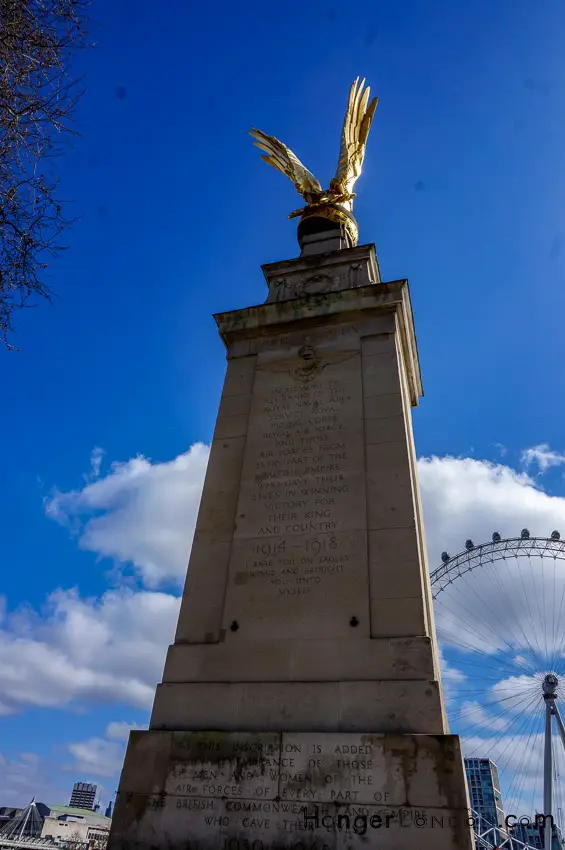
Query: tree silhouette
[38,95]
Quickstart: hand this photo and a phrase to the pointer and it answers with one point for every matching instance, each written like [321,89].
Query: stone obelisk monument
[301,705]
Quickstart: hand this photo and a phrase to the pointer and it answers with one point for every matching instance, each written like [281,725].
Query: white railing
[488,836]
[37,843]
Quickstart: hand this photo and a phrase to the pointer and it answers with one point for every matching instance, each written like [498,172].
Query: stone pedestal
[291,790]
[304,668]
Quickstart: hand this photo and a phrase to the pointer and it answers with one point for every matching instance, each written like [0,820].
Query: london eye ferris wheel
[500,621]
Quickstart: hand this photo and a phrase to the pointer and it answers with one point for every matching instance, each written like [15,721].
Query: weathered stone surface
[390,705]
[307,544]
[305,637]
[344,660]
[289,791]
[372,309]
[335,270]
[299,548]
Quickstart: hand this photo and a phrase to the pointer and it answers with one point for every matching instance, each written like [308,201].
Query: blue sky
[463,192]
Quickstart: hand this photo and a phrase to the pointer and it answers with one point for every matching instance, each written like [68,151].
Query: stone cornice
[338,306]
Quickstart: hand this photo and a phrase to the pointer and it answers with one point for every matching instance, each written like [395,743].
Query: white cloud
[107,650]
[474,713]
[97,757]
[140,513]
[543,457]
[22,778]
[451,677]
[32,758]
[119,730]
[103,756]
[466,498]
[504,606]
[96,458]
[520,694]
[449,673]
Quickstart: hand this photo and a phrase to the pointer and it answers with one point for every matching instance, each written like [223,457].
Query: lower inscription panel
[307,791]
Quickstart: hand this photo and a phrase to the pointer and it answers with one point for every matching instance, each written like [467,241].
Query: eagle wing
[356,126]
[283,159]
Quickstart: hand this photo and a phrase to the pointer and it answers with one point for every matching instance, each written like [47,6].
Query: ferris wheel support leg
[547,774]
[560,725]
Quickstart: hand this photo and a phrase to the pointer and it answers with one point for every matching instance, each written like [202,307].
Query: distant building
[484,790]
[533,835]
[73,824]
[528,834]
[83,796]
[7,813]
[109,810]
[557,840]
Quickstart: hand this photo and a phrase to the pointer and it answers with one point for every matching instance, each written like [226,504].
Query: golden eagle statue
[335,203]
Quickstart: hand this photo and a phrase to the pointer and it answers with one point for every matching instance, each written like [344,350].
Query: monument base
[291,791]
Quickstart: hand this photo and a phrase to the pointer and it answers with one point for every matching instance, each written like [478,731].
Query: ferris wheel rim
[488,553]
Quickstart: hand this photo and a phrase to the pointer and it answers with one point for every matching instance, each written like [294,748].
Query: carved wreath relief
[301,285]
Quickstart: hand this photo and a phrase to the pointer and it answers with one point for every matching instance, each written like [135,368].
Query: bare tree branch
[38,96]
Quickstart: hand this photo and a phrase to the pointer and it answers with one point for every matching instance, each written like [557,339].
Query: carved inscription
[342,336]
[306,792]
[235,765]
[337,769]
[301,518]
